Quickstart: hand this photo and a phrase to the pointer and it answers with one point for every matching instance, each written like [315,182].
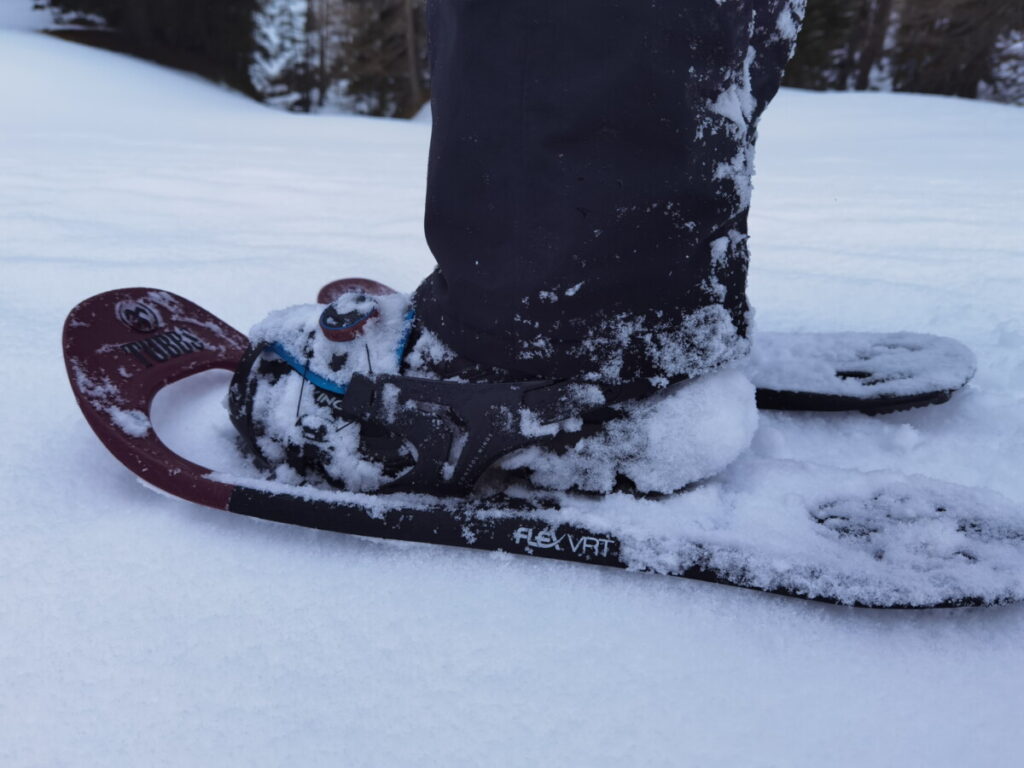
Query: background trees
[366,56]
[952,46]
[212,37]
[369,56]
[964,48]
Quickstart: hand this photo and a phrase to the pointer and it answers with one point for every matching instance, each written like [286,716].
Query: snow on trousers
[589,180]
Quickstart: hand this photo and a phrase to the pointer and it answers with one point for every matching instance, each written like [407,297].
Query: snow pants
[589,180]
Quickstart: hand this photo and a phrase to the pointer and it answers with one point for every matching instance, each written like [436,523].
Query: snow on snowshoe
[869,372]
[869,539]
[287,393]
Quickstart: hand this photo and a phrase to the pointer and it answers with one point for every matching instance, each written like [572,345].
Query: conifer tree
[950,46]
[826,50]
[384,56]
[279,71]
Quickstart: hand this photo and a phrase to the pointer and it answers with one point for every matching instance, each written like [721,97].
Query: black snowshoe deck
[868,539]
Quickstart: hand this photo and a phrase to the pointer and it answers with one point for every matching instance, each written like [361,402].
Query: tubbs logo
[140,317]
[584,546]
[162,347]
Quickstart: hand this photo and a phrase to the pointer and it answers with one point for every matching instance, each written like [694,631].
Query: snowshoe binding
[326,394]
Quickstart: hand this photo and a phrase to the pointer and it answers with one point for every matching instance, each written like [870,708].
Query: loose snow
[131,422]
[685,434]
[136,629]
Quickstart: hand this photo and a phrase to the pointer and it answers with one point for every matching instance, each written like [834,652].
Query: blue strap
[308,375]
[331,386]
[410,315]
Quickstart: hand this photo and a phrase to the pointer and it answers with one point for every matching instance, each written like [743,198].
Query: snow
[24,16]
[687,433]
[131,422]
[859,364]
[137,629]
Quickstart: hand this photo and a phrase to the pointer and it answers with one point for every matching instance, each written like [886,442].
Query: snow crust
[137,629]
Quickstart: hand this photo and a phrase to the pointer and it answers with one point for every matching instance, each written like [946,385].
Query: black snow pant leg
[589,180]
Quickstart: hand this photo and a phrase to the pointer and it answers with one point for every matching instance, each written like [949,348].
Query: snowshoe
[870,539]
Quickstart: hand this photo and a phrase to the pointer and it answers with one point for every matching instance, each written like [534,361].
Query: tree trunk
[412,59]
[878,26]
[324,36]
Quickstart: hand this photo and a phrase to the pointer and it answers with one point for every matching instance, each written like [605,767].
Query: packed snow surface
[136,629]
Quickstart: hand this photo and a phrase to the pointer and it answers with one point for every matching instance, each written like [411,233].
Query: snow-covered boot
[351,393]
[285,399]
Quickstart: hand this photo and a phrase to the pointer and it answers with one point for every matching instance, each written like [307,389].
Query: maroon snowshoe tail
[121,348]
[338,288]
